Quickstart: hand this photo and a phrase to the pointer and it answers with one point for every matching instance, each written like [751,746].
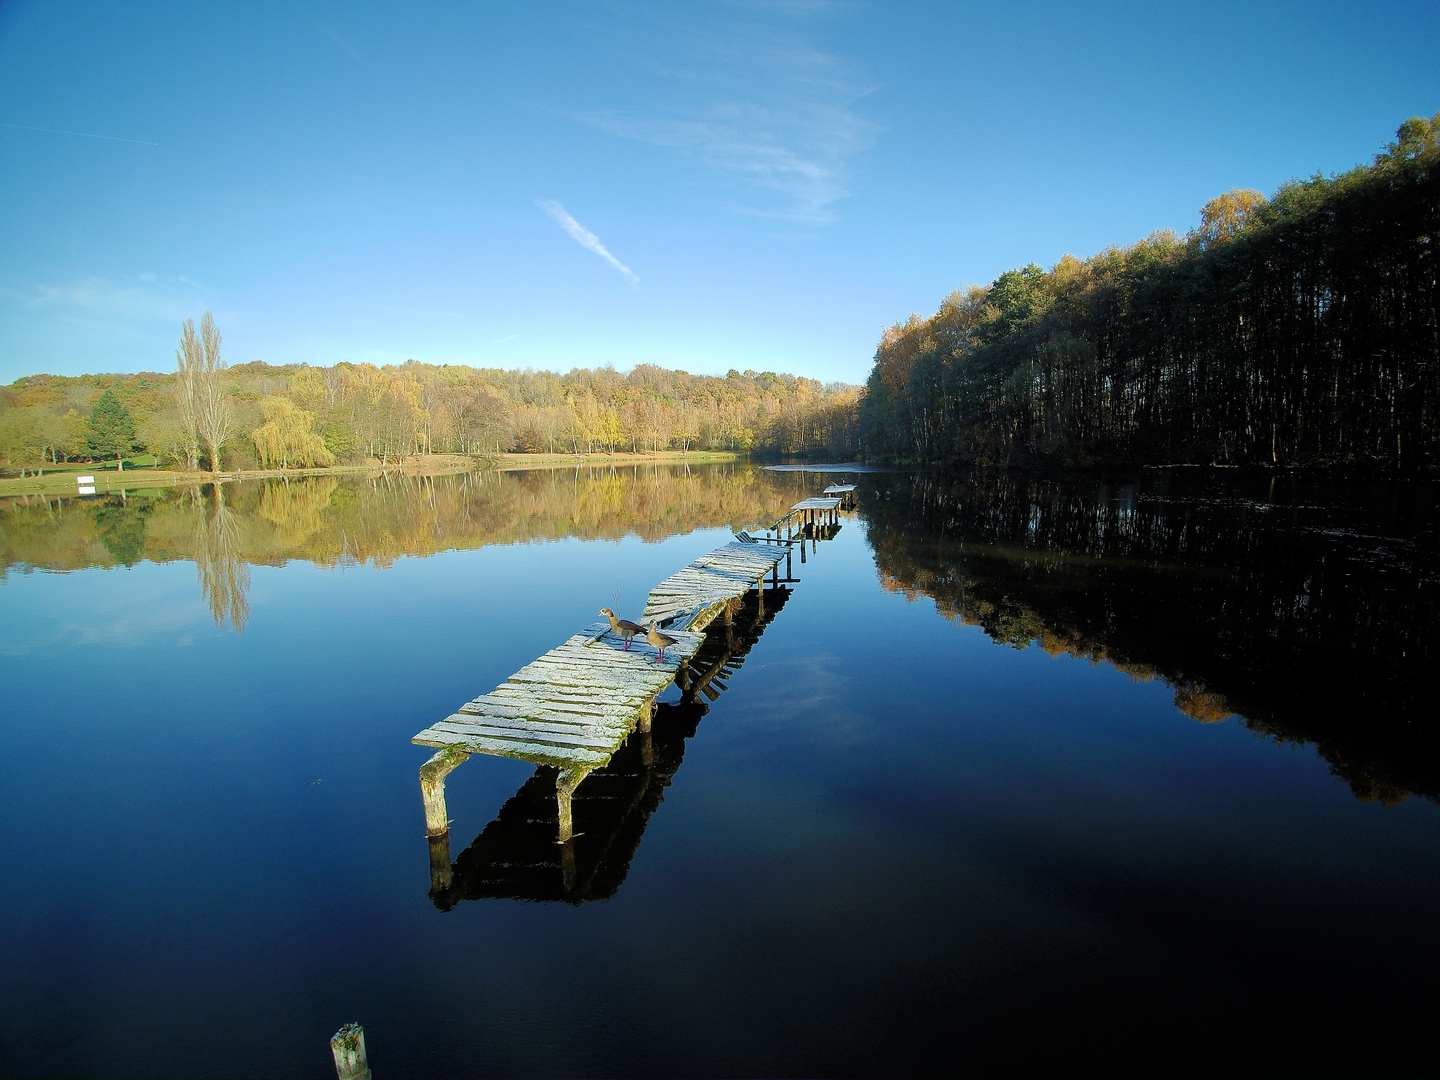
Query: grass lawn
[143,472]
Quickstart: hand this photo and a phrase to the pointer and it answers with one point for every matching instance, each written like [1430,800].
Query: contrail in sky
[585,238]
[85,134]
[498,340]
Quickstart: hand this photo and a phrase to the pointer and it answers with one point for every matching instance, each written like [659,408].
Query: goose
[623,627]
[659,640]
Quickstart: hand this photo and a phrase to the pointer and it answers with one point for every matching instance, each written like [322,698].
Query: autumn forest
[1303,329]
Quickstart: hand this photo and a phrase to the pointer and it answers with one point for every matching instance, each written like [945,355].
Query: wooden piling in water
[432,788]
[348,1047]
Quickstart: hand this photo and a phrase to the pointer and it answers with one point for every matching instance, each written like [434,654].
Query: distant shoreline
[60,480]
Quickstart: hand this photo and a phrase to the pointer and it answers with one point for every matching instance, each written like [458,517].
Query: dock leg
[565,785]
[775,576]
[432,788]
[788,572]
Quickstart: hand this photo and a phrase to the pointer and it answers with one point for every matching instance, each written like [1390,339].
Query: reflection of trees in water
[335,521]
[1310,611]
[223,572]
[120,525]
[296,509]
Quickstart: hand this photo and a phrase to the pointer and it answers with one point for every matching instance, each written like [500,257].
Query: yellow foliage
[288,437]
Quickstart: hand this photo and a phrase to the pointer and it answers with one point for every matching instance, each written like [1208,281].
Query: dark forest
[1299,330]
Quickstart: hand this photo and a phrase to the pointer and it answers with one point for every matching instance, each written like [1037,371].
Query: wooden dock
[574,707]
[515,857]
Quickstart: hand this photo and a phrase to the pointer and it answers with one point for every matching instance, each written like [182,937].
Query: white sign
[84,479]
[87,489]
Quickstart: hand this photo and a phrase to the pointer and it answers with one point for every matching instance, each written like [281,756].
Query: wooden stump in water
[348,1046]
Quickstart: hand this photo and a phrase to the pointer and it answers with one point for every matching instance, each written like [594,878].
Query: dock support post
[565,785]
[432,788]
[775,576]
[348,1046]
[788,572]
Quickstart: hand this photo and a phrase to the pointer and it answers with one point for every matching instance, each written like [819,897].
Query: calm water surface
[1143,774]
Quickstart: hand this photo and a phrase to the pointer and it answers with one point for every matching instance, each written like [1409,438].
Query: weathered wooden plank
[603,739]
[533,752]
[569,713]
[553,675]
[536,727]
[556,669]
[560,695]
[537,735]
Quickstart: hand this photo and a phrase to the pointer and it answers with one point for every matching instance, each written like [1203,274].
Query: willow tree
[288,436]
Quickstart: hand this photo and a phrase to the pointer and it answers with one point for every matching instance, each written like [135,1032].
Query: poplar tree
[214,417]
[189,365]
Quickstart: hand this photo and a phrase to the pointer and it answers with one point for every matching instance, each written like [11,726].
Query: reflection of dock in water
[516,856]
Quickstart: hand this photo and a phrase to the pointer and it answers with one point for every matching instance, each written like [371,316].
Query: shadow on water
[1308,609]
[516,857]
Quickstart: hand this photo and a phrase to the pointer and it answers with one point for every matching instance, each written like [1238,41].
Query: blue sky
[700,186]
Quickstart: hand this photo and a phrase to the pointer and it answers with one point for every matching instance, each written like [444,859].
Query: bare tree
[189,362]
[214,417]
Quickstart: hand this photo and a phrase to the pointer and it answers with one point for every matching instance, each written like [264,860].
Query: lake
[1126,776]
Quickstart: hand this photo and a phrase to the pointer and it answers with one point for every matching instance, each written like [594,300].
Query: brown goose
[623,627]
[659,640]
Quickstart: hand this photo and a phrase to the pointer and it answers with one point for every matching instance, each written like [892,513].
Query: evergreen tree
[110,432]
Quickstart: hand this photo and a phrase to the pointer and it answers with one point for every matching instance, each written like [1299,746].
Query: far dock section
[811,515]
[574,707]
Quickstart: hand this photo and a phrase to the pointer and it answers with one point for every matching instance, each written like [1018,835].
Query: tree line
[207,414]
[1303,329]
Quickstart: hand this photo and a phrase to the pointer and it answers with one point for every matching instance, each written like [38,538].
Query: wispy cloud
[584,237]
[774,116]
[145,296]
[82,134]
[341,43]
